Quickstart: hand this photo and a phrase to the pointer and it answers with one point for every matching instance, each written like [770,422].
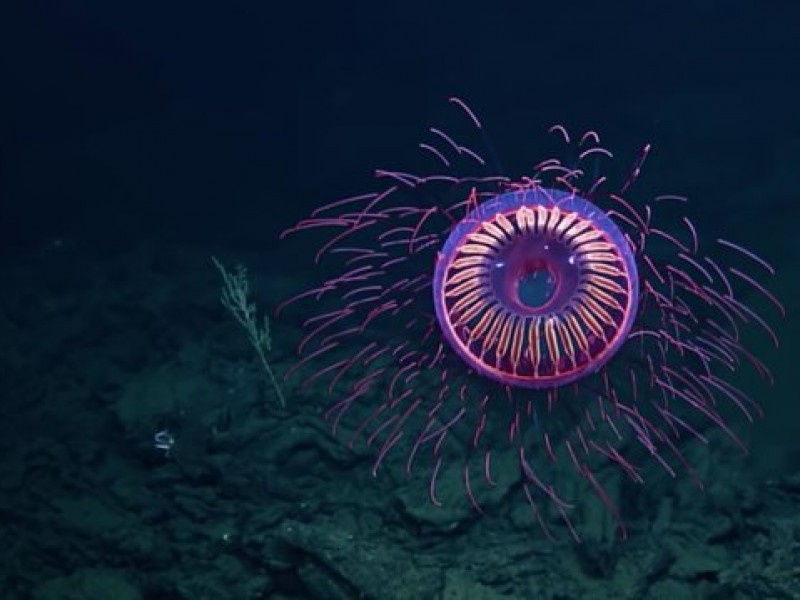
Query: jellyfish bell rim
[506,204]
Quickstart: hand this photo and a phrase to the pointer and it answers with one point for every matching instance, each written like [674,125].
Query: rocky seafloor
[249,500]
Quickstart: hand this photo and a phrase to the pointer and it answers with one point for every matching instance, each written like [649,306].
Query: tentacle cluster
[668,306]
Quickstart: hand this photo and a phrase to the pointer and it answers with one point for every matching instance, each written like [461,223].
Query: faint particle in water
[164,441]
[467,318]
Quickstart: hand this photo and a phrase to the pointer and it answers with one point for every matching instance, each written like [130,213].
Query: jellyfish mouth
[534,274]
[536,289]
[535,284]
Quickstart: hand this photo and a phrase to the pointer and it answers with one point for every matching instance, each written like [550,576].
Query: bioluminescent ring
[536,288]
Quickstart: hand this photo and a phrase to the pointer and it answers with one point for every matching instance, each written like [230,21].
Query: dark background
[223,122]
[139,138]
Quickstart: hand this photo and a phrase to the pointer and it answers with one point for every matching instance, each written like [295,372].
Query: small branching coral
[235,297]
